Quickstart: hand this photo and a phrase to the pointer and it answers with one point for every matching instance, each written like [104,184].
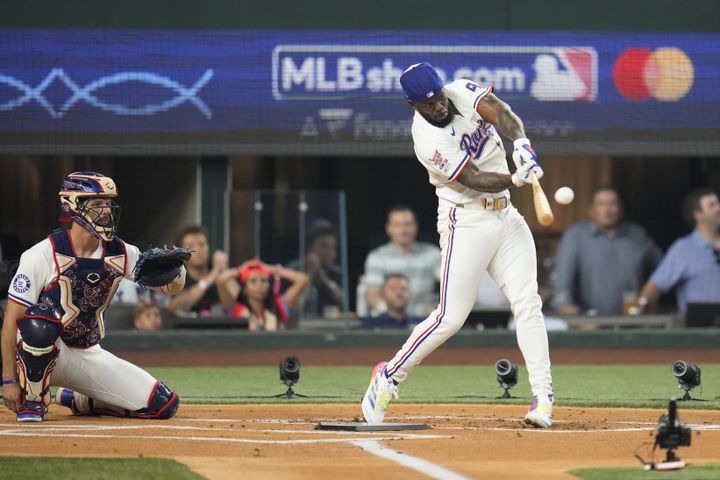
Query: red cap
[253,267]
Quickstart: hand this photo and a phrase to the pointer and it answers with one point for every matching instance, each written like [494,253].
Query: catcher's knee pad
[163,403]
[36,352]
[38,334]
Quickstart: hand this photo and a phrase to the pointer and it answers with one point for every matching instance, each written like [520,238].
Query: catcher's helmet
[77,189]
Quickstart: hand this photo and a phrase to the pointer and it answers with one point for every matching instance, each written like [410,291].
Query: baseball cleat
[381,390]
[31,412]
[540,413]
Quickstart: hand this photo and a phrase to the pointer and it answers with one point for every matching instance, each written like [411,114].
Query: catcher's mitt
[159,266]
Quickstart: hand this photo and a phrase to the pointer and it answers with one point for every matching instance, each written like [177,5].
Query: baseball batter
[455,137]
[54,320]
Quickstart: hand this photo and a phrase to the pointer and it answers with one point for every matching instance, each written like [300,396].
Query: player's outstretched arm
[499,113]
[489,182]
[492,182]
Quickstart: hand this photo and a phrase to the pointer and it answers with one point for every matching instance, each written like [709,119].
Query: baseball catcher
[54,321]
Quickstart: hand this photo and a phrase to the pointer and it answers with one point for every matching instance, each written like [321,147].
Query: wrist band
[10,382]
[203,284]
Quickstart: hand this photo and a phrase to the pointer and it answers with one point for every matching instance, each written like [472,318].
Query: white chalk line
[299,421]
[18,433]
[425,467]
[370,445]
[100,427]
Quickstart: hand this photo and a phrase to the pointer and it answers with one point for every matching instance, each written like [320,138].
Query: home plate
[366,427]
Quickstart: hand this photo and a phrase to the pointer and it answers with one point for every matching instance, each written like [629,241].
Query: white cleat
[378,395]
[540,413]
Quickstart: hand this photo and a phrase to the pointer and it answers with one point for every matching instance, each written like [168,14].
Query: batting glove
[522,174]
[526,159]
[523,152]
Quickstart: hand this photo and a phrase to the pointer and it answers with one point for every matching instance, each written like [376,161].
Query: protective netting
[326,93]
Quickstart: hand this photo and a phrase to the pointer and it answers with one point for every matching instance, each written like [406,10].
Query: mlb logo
[566,74]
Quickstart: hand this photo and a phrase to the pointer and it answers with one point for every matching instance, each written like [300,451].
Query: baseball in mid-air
[564,195]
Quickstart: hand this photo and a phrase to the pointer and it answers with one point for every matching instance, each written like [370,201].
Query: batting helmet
[80,187]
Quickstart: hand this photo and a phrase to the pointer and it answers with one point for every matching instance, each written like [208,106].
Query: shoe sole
[22,418]
[537,422]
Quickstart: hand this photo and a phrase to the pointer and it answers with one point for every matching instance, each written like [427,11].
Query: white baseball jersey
[38,270]
[446,152]
[111,382]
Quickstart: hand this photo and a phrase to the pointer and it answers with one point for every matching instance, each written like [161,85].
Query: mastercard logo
[666,74]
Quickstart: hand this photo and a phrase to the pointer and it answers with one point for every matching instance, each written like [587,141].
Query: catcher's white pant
[474,240]
[97,373]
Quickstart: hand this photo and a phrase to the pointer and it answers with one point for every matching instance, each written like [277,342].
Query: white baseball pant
[110,381]
[474,240]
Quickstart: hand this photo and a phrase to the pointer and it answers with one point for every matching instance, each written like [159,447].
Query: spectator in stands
[692,264]
[325,292]
[419,262]
[256,287]
[148,318]
[396,295]
[602,259]
[203,293]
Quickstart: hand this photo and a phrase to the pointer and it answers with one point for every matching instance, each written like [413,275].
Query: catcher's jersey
[445,152]
[80,287]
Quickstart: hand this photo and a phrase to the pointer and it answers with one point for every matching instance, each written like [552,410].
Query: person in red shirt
[255,286]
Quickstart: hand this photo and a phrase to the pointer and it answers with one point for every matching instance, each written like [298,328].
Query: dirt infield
[279,441]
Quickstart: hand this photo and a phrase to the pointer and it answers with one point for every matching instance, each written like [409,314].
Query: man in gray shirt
[419,262]
[601,258]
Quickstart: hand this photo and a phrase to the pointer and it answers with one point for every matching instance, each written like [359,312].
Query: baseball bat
[542,206]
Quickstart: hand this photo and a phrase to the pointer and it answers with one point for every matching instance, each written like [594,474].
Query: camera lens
[503,367]
[291,365]
[679,368]
[506,373]
[290,370]
[686,373]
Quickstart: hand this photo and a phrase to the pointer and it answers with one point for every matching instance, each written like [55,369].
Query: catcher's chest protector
[83,288]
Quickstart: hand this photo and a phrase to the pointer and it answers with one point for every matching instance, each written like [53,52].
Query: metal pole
[344,258]
[258,206]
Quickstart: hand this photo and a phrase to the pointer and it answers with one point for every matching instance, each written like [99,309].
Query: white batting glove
[526,159]
[523,152]
[522,174]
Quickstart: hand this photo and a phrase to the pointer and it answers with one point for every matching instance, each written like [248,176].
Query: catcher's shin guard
[36,356]
[162,404]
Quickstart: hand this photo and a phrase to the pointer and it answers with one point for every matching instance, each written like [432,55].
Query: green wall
[628,15]
[198,340]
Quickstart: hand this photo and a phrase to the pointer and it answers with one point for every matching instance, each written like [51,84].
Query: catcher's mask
[77,190]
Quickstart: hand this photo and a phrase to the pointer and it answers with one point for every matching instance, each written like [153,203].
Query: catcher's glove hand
[159,266]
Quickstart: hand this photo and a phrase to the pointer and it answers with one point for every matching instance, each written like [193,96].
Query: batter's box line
[222,439]
[95,428]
